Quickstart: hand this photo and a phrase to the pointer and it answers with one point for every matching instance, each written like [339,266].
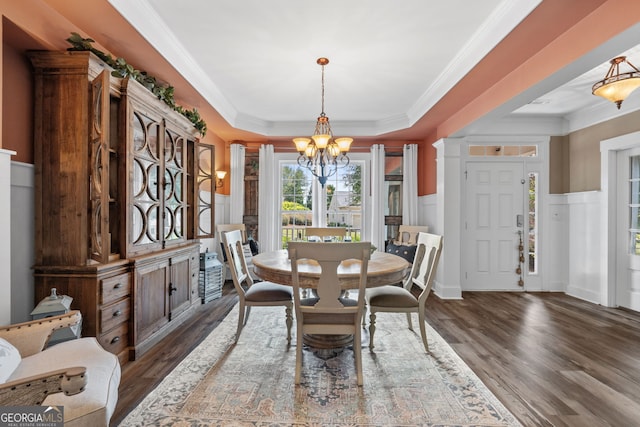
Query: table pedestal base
[327,341]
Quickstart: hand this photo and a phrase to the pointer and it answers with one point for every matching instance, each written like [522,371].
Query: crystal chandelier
[322,154]
[616,86]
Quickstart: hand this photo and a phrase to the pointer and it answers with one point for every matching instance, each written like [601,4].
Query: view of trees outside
[342,206]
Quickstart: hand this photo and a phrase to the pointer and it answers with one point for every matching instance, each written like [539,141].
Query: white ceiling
[254,61]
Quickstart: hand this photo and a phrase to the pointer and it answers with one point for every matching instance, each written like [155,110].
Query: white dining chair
[250,293]
[399,299]
[329,313]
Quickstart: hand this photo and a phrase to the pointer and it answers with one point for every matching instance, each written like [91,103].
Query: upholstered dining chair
[328,313]
[323,232]
[252,294]
[399,299]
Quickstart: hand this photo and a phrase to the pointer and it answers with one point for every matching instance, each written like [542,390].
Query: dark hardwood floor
[551,359]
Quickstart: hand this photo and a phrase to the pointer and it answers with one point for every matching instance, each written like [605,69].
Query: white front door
[628,230]
[494,215]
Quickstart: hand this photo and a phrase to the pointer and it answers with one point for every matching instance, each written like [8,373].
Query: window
[634,205]
[339,204]
[533,223]
[393,175]
[503,151]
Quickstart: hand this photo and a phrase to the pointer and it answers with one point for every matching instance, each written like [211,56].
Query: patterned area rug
[251,383]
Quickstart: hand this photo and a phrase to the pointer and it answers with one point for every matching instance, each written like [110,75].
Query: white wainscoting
[584,245]
[428,212]
[555,250]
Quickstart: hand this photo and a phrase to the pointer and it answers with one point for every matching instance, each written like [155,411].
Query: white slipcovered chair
[78,374]
[399,299]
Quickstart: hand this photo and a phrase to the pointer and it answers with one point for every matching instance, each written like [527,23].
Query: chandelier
[322,154]
[616,86]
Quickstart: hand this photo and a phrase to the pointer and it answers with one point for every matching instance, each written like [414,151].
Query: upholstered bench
[79,374]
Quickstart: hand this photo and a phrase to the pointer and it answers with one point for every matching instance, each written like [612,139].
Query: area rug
[251,383]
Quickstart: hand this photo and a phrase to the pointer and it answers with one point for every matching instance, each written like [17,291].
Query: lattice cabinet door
[202,199]
[103,172]
[147,196]
[175,186]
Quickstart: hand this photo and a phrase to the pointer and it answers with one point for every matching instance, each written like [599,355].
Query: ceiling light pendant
[616,86]
[322,154]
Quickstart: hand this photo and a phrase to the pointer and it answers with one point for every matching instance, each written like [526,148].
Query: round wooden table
[383,269]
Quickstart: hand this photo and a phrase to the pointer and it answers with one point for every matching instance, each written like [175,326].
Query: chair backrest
[232,242]
[408,234]
[323,232]
[329,256]
[425,263]
[223,228]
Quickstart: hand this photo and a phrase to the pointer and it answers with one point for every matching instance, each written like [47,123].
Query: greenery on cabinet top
[123,69]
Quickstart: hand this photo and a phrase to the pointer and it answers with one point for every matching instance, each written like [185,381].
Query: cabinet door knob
[117,313]
[115,340]
[117,285]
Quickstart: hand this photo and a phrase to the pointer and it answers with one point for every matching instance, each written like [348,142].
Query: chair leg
[289,321]
[357,350]
[423,329]
[372,328]
[298,355]
[241,309]
[409,321]
[364,316]
[246,316]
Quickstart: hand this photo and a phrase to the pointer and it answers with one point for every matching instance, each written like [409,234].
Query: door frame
[539,165]
[609,213]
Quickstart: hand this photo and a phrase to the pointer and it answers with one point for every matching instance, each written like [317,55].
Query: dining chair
[399,299]
[329,313]
[326,232]
[408,234]
[250,293]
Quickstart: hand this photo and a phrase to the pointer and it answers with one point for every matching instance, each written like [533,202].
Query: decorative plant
[123,69]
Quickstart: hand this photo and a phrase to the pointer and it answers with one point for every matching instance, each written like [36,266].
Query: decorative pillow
[224,253]
[255,248]
[404,251]
[9,360]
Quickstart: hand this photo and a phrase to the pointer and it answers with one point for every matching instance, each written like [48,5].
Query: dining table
[383,269]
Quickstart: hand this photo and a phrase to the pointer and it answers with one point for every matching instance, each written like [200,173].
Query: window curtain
[410,185]
[268,200]
[236,197]
[378,196]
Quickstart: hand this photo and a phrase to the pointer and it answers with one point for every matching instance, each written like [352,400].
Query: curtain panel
[410,185]
[236,196]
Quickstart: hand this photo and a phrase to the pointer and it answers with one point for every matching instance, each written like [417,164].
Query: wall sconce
[219,178]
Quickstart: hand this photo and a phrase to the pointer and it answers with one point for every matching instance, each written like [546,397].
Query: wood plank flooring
[552,360]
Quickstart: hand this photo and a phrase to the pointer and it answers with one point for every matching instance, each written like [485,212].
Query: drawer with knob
[114,314]
[116,340]
[114,288]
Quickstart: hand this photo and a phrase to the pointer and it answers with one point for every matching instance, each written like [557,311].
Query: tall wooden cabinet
[119,202]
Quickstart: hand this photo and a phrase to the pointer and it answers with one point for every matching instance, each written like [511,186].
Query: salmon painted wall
[37,25]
